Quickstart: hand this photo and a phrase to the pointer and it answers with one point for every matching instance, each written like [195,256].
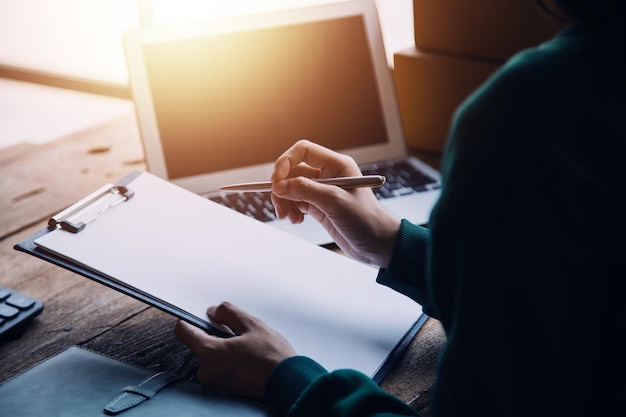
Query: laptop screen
[237,99]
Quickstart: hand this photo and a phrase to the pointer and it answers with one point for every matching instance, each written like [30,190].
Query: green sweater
[521,261]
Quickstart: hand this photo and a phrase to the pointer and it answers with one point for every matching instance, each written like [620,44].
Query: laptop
[218,101]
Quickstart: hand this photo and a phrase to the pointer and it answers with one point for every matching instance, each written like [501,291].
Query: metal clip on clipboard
[78,215]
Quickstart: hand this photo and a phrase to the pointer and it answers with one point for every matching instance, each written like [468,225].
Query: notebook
[78,382]
[218,101]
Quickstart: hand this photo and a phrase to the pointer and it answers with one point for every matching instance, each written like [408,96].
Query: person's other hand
[354,219]
[240,364]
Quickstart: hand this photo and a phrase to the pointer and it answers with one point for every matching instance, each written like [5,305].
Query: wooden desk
[36,182]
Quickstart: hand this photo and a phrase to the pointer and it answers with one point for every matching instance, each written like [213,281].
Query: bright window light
[81,39]
[75,38]
[176,11]
[396,16]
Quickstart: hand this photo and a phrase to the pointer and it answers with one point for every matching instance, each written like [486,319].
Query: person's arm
[406,272]
[300,387]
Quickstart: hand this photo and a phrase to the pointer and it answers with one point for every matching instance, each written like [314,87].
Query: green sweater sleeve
[300,387]
[407,269]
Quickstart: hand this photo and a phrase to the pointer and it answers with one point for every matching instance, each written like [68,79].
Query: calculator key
[8,312]
[4,293]
[16,309]
[20,301]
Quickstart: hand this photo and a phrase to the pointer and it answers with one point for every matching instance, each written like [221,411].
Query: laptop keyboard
[255,205]
[403,178]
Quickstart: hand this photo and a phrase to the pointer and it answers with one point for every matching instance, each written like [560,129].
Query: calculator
[16,309]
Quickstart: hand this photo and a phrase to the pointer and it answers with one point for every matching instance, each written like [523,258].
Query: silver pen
[361,181]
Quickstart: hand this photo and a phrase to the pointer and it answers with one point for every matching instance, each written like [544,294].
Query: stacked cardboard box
[458,45]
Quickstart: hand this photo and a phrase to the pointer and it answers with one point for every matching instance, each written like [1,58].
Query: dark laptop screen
[241,99]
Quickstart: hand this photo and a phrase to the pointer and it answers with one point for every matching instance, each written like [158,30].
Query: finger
[305,170]
[287,209]
[191,336]
[232,316]
[309,160]
[326,160]
[304,190]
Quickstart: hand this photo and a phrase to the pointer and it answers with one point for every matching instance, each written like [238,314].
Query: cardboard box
[491,29]
[430,87]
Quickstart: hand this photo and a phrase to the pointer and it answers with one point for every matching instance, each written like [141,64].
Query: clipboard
[150,239]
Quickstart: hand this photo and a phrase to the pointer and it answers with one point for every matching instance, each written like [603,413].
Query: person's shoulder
[512,105]
[575,59]
[534,70]
[536,78]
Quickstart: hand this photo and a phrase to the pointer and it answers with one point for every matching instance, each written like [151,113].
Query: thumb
[231,316]
[191,336]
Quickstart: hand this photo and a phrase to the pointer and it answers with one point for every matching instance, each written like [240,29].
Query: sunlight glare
[176,11]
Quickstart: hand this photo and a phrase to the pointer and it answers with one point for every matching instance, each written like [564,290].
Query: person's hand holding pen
[353,217]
